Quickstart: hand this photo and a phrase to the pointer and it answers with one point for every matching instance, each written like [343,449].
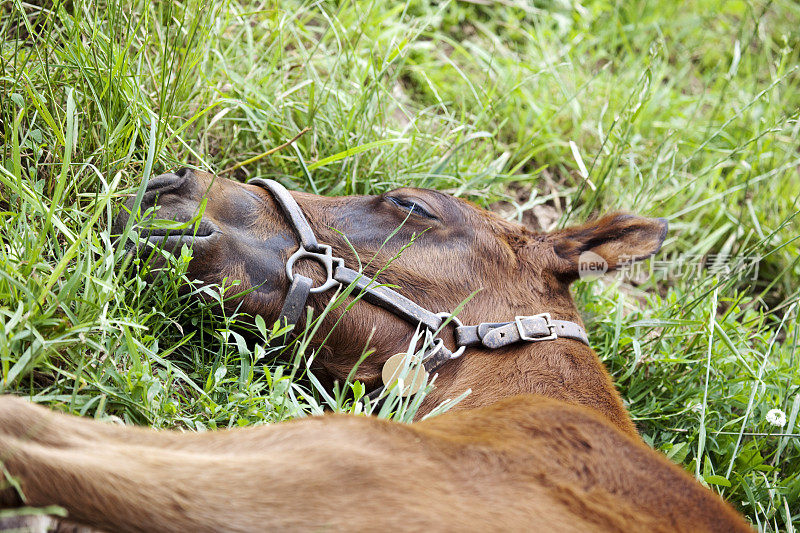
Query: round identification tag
[414,378]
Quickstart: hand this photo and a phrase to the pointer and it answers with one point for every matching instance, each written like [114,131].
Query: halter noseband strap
[490,335]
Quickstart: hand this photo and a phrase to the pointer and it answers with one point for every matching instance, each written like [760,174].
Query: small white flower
[776,417]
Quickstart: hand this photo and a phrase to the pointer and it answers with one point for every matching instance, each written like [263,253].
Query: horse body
[524,462]
[564,455]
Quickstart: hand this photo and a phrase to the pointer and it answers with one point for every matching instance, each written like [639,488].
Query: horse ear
[606,244]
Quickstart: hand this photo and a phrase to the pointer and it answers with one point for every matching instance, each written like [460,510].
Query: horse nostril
[167,181]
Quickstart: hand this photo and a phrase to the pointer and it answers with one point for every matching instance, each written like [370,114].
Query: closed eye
[410,205]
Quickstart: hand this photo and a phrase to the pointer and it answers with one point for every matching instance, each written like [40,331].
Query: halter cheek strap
[296,298]
[490,335]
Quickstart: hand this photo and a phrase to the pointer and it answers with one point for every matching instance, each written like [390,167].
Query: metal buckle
[325,258]
[546,316]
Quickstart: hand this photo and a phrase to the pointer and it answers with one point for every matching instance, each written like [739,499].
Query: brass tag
[415,376]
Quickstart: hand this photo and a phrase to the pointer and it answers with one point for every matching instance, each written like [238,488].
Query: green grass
[549,114]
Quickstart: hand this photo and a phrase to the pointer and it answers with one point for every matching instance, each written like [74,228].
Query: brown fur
[542,442]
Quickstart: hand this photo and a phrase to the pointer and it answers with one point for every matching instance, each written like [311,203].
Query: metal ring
[436,347]
[444,315]
[457,322]
[326,258]
[458,353]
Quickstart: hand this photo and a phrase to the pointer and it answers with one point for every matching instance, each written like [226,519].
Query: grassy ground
[550,114]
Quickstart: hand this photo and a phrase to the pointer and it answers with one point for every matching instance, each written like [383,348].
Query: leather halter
[491,335]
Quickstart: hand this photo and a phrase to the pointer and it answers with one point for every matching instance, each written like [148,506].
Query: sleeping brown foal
[543,441]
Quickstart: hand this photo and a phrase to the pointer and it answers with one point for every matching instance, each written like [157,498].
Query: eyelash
[411,206]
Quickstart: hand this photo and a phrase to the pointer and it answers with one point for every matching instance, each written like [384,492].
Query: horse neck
[561,369]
